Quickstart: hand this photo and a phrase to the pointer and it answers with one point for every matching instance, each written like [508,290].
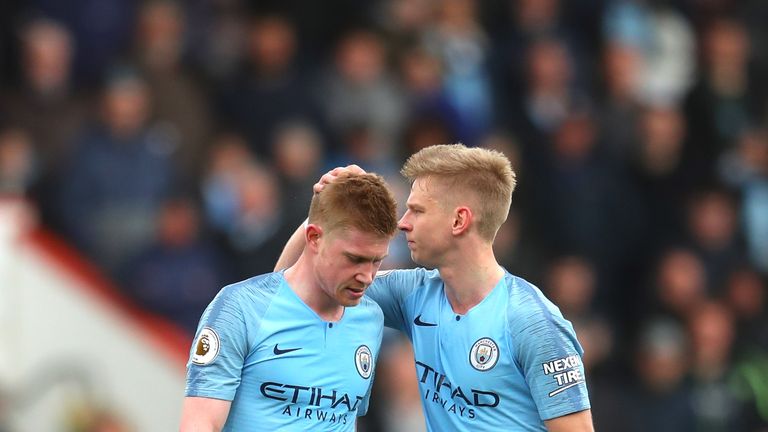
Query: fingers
[351,169]
[333,174]
[324,180]
[354,169]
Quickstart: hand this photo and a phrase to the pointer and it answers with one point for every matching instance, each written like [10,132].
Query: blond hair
[484,174]
[360,201]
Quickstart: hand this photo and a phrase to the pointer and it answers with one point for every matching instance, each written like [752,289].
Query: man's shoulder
[531,315]
[413,276]
[368,307]
[367,316]
[526,303]
[523,293]
[256,291]
[268,281]
[404,283]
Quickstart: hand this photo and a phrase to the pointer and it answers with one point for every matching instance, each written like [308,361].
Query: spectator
[680,284]
[727,99]
[745,295]
[659,177]
[666,42]
[102,32]
[713,234]
[47,104]
[270,89]
[746,169]
[120,173]
[17,162]
[179,106]
[463,46]
[358,92]
[429,107]
[243,206]
[551,91]
[715,406]
[177,274]
[660,400]
[620,106]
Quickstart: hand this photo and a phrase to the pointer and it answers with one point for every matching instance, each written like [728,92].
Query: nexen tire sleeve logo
[565,371]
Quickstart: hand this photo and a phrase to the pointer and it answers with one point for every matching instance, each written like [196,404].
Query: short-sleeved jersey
[509,363]
[284,368]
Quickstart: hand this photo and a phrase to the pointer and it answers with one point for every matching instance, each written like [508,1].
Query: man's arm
[576,422]
[201,414]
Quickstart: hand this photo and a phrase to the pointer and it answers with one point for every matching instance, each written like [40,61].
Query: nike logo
[421,323]
[279,351]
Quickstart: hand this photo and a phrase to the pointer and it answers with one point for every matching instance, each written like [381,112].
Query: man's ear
[312,235]
[462,219]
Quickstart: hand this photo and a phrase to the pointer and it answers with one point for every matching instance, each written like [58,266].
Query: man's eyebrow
[362,258]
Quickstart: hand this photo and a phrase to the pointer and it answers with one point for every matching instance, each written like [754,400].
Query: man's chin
[420,261]
[352,302]
[353,298]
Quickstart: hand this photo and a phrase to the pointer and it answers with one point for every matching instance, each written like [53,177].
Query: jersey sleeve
[390,290]
[220,348]
[549,356]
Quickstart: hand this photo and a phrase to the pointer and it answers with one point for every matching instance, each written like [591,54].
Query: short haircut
[481,173]
[360,201]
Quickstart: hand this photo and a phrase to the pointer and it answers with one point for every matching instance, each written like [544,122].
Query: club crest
[206,348]
[484,354]
[364,361]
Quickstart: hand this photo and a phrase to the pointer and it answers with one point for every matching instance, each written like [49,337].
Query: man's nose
[366,276]
[403,225]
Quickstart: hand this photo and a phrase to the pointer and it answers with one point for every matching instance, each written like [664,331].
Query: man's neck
[469,276]
[301,280]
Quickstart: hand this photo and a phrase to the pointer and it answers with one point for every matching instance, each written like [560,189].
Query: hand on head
[333,174]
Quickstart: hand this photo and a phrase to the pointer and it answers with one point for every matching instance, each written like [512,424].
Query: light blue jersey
[511,362]
[284,368]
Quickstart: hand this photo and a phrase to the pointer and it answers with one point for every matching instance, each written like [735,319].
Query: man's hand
[333,174]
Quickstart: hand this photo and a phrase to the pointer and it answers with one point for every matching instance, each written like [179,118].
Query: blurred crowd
[175,143]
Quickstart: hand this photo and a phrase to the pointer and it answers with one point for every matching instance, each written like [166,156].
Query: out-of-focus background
[153,151]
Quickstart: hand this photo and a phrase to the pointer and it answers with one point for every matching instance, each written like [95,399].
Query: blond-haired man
[287,350]
[492,353]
